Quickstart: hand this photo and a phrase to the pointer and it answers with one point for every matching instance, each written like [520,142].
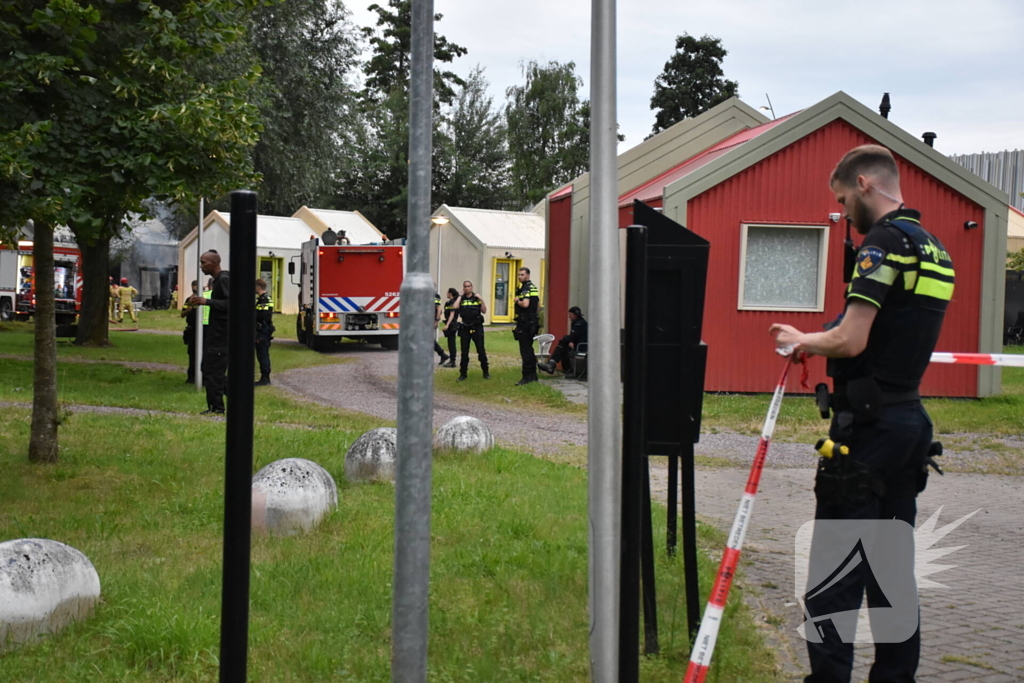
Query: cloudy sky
[955,67]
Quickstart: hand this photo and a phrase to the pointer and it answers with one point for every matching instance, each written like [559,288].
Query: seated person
[577,335]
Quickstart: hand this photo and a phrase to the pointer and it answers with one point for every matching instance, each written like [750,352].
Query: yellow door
[503,289]
[269,269]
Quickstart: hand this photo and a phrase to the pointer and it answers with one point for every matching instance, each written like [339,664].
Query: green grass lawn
[142,498]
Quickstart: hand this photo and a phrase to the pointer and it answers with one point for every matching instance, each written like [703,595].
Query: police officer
[215,332]
[127,293]
[264,330]
[878,351]
[437,318]
[188,312]
[570,342]
[450,325]
[471,310]
[527,303]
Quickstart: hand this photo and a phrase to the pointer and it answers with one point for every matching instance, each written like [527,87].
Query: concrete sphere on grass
[464,433]
[372,456]
[44,586]
[291,496]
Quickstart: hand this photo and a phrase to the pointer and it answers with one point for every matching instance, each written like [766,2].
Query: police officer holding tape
[880,434]
[471,310]
[527,303]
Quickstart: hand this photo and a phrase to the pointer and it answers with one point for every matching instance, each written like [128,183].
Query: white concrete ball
[464,433]
[372,456]
[291,496]
[44,586]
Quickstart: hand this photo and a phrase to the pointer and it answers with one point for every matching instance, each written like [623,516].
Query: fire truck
[18,281]
[348,292]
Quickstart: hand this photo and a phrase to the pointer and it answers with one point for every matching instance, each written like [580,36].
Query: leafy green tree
[378,185]
[101,112]
[548,130]
[692,81]
[1015,260]
[474,160]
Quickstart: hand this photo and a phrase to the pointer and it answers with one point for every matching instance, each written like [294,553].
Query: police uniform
[472,328]
[127,294]
[877,414]
[451,321]
[264,335]
[189,338]
[437,347]
[215,341]
[577,335]
[526,329]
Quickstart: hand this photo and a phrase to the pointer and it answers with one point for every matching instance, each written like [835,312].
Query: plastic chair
[544,342]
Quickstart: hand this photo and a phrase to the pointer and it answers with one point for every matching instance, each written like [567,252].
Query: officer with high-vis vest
[264,330]
[875,463]
[215,300]
[527,303]
[471,310]
[450,325]
[127,294]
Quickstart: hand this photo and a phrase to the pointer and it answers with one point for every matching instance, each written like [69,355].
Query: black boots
[264,381]
[548,367]
[444,359]
[527,379]
[462,377]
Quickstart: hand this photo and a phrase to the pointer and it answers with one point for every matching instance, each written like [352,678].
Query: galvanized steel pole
[410,601]
[198,355]
[605,420]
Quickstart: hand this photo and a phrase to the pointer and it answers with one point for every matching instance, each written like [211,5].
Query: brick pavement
[971,631]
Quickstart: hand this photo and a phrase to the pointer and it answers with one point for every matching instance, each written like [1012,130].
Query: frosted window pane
[782,267]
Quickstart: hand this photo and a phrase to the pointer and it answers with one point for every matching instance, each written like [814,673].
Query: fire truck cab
[348,292]
[18,281]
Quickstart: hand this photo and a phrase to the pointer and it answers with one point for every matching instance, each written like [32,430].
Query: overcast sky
[955,67]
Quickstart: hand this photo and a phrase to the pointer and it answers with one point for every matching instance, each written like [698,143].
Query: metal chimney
[929,139]
[885,107]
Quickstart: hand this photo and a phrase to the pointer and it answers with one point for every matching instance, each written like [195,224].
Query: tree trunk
[94,320]
[42,446]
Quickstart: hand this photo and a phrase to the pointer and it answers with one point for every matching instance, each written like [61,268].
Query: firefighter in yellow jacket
[126,294]
[115,296]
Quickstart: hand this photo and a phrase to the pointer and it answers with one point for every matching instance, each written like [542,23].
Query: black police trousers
[525,331]
[476,334]
[894,447]
[263,352]
[561,352]
[189,337]
[450,333]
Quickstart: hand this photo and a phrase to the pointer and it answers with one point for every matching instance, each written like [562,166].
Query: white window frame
[823,228]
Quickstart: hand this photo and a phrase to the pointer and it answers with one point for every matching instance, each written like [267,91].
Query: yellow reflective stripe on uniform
[866,298]
[937,289]
[206,309]
[925,265]
[910,280]
[885,274]
[901,259]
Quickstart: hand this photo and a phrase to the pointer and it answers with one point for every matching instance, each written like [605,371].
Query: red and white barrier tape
[704,646]
[1008,360]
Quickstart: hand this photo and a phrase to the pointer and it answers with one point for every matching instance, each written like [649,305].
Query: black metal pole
[673,504]
[632,454]
[234,618]
[690,541]
[647,568]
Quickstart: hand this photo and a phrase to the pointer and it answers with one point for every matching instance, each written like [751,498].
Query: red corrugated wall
[558,264]
[791,186]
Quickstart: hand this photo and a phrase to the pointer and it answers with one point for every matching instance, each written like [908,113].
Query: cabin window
[782,267]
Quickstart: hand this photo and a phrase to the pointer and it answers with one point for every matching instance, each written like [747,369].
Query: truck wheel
[6,313]
[300,333]
[390,343]
[65,319]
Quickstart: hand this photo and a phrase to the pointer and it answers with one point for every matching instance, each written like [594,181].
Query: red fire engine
[348,292]
[18,281]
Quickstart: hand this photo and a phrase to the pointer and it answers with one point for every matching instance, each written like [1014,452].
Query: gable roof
[272,232]
[358,229]
[497,229]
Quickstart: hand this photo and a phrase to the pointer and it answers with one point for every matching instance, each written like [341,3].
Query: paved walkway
[972,631]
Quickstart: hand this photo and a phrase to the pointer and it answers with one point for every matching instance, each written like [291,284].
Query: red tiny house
[739,355]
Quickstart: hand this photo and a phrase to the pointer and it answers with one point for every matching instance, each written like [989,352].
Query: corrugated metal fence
[1005,170]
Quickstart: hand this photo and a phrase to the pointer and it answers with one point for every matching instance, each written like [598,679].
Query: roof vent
[885,107]
[929,139]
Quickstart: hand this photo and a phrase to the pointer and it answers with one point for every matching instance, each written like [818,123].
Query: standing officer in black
[527,303]
[437,317]
[215,336]
[877,353]
[188,312]
[471,310]
[264,330]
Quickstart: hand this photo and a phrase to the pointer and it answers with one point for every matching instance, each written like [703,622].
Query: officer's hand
[786,336]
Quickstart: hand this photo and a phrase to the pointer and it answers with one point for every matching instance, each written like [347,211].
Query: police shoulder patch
[869,259]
